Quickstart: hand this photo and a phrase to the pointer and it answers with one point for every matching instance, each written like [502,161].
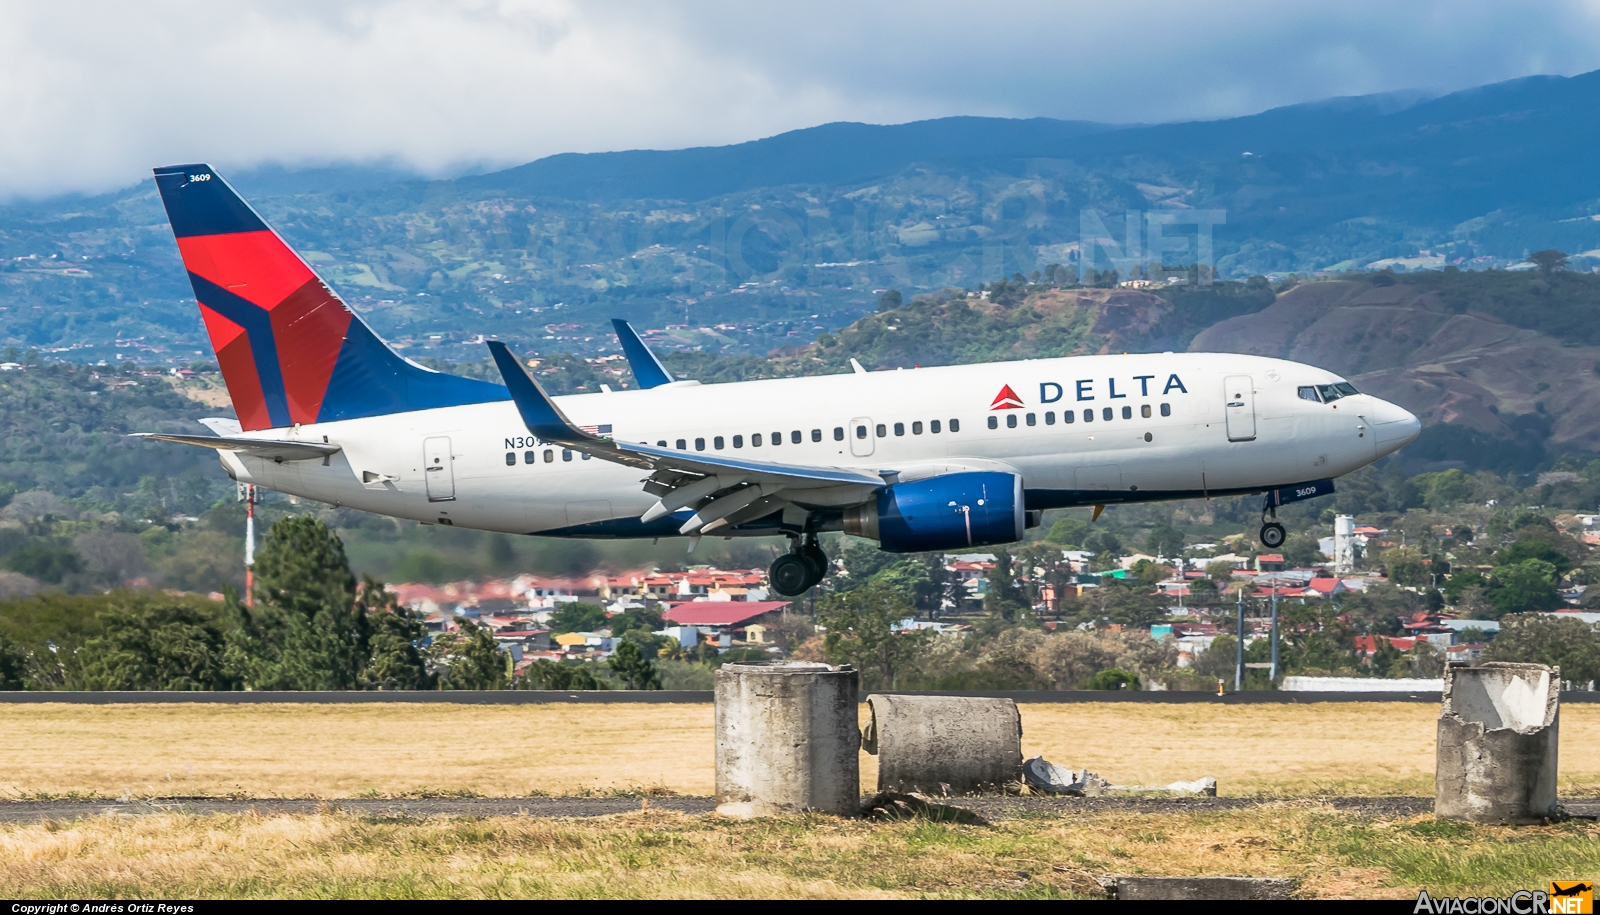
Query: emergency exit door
[1241,408]
[437,470]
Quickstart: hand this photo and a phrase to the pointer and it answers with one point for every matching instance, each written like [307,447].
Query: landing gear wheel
[1273,535]
[819,560]
[791,575]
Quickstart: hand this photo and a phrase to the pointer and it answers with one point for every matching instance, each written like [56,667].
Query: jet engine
[947,512]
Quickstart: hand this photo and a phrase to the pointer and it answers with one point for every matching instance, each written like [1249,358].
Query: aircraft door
[437,469]
[1241,408]
[862,439]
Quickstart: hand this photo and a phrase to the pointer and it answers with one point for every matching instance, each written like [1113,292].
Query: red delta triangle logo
[1007,399]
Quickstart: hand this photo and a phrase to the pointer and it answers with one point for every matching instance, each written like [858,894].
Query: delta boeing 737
[945,458]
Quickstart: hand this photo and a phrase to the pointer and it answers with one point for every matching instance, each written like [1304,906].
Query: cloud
[92,95]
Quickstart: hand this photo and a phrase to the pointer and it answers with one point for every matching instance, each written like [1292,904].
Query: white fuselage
[1183,425]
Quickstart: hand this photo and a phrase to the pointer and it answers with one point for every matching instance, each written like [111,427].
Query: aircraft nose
[1393,426]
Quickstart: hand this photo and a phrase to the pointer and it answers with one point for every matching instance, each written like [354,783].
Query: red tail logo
[1007,399]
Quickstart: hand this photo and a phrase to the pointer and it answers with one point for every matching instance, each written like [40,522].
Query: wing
[269,449]
[724,491]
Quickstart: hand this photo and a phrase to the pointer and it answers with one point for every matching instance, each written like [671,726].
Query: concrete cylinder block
[944,744]
[1497,743]
[787,739]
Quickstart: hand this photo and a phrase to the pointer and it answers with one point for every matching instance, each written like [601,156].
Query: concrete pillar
[787,739]
[944,745]
[1497,743]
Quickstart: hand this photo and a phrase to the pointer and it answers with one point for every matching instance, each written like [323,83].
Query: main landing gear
[799,570]
[1272,533]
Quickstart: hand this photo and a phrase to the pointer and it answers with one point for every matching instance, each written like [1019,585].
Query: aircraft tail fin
[290,350]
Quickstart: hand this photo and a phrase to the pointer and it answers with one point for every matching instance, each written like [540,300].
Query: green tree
[576,617]
[395,642]
[890,300]
[1113,678]
[562,675]
[632,668]
[1549,260]
[1165,541]
[470,658]
[305,630]
[1068,532]
[159,645]
[856,626]
[1443,491]
[1532,638]
[501,556]
[1004,599]
[1524,586]
[13,665]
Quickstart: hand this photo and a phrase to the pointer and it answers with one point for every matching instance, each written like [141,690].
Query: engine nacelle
[947,512]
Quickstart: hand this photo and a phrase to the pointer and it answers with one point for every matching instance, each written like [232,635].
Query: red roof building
[721,612]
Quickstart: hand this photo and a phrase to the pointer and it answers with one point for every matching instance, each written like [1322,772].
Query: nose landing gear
[799,570]
[1272,533]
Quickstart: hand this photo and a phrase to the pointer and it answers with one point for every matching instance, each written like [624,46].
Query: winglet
[647,369]
[539,413]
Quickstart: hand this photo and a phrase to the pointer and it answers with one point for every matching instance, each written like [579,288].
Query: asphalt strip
[990,808]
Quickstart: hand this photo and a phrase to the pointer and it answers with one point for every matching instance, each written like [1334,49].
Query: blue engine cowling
[947,512]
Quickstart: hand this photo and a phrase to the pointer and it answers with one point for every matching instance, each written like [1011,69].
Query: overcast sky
[94,94]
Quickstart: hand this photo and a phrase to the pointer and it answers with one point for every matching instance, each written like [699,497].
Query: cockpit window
[1332,392]
[1309,392]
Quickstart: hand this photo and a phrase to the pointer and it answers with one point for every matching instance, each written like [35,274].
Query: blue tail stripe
[371,380]
[257,324]
[204,207]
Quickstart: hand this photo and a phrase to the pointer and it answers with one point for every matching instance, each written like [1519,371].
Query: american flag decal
[604,430]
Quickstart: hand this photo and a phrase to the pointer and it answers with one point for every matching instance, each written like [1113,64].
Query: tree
[1525,586]
[305,630]
[1113,678]
[1531,638]
[161,645]
[1068,532]
[561,675]
[470,658]
[857,631]
[890,300]
[632,668]
[396,640]
[1549,260]
[13,665]
[1165,541]
[1004,599]
[576,617]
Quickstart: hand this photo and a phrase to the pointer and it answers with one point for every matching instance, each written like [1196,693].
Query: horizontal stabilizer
[255,447]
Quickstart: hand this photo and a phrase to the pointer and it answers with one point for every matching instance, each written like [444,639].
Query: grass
[656,854]
[334,751]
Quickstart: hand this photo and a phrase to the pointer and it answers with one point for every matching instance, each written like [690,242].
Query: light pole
[1274,677]
[1238,667]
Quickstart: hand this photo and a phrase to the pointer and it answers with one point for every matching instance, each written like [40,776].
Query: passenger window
[838,433]
[1011,420]
[994,422]
[861,432]
[777,439]
[933,426]
[795,437]
[1144,411]
[699,444]
[717,443]
[549,455]
[816,435]
[527,457]
[587,455]
[916,428]
[1033,420]
[661,444]
[566,454]
[1049,417]
[1127,413]
[1166,409]
[682,444]
[882,430]
[1106,414]
[955,425]
[738,441]
[511,459]
[1067,416]
[1088,415]
[1309,392]
[899,428]
[755,440]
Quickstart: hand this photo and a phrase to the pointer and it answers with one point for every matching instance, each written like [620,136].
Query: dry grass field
[335,751]
[656,854]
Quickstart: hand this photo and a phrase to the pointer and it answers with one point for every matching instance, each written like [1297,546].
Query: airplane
[948,458]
